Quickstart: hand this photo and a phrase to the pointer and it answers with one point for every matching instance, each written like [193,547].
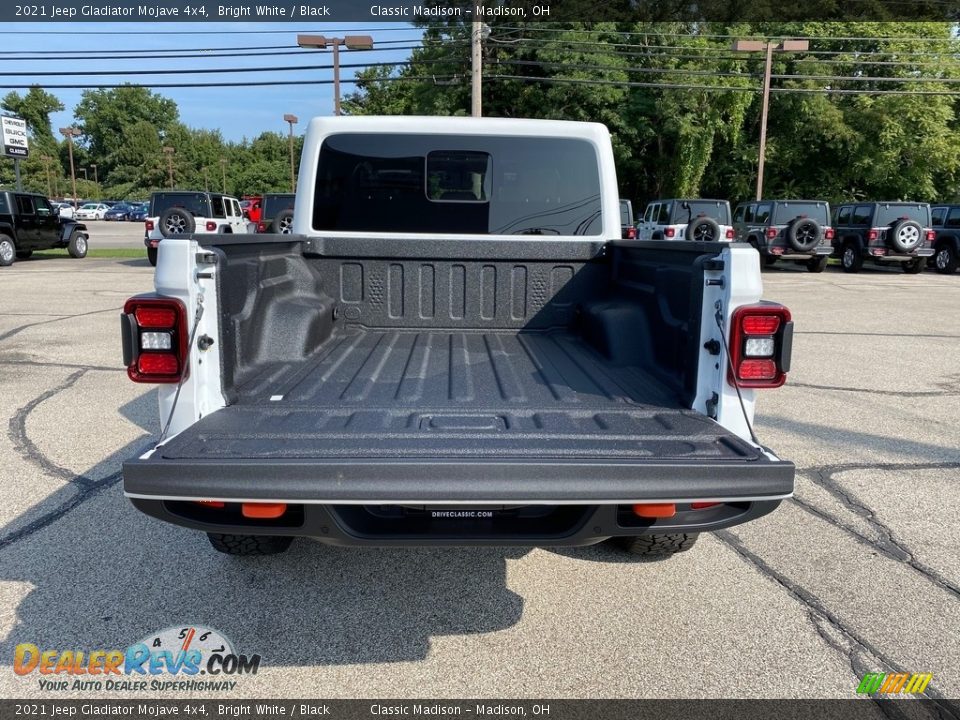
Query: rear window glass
[861,215]
[625,218]
[886,214]
[452,184]
[273,205]
[785,212]
[194,203]
[4,207]
[716,209]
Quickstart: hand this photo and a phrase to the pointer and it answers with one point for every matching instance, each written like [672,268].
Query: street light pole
[69,133]
[769,48]
[293,120]
[168,151]
[96,179]
[223,168]
[206,179]
[352,42]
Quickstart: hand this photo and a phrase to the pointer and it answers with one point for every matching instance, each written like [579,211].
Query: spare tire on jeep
[283,223]
[703,229]
[803,234]
[176,221]
[905,235]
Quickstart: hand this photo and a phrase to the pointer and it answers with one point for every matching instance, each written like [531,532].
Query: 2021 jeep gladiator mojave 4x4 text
[884,233]
[28,222]
[175,213]
[691,219]
[797,230]
[455,346]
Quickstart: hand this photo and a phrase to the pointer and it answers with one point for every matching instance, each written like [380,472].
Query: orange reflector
[703,505]
[211,503]
[655,510]
[263,511]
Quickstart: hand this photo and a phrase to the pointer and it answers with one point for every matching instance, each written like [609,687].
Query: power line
[247,83]
[203,32]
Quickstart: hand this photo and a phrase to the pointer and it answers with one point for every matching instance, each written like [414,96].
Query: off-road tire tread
[249,545]
[654,546]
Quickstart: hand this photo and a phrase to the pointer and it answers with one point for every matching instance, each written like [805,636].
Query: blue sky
[237,112]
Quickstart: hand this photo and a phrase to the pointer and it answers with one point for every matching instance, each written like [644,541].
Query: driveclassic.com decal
[178,659]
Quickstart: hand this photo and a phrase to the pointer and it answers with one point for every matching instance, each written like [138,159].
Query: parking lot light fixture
[321,42]
[96,179]
[292,120]
[769,48]
[223,169]
[70,133]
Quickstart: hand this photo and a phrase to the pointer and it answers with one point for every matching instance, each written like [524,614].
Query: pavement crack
[72,366]
[874,391]
[17,432]
[859,652]
[20,328]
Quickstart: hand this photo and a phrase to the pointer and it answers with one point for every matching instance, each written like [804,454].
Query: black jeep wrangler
[29,222]
[883,233]
[946,246]
[276,213]
[795,230]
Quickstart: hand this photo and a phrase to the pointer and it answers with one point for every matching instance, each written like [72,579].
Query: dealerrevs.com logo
[178,659]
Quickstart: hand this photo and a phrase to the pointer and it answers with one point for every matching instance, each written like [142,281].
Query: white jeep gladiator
[456,346]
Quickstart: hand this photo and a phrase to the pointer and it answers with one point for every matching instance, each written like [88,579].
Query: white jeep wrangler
[185,212]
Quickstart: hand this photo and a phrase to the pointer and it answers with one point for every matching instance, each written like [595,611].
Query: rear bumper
[355,525]
[453,482]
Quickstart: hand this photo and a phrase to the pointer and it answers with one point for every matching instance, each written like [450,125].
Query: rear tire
[946,260]
[8,251]
[851,259]
[78,245]
[817,264]
[152,256]
[249,545]
[656,547]
[769,260]
[912,267]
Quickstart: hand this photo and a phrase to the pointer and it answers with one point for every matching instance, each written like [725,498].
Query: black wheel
[176,221]
[247,545]
[912,267]
[804,234]
[945,260]
[817,264]
[8,251]
[905,235]
[851,259]
[769,260]
[283,223]
[703,229]
[658,546]
[78,245]
[24,254]
[152,256]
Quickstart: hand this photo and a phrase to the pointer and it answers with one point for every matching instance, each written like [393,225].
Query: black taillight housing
[155,336]
[761,342]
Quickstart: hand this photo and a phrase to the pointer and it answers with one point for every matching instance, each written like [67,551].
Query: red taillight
[261,227]
[873,235]
[669,232]
[931,236]
[703,505]
[152,356]
[772,233]
[149,225]
[760,324]
[155,317]
[211,226]
[211,503]
[730,234]
[631,233]
[761,337]
[828,234]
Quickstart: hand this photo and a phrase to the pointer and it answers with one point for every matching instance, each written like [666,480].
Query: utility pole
[351,42]
[223,168]
[476,65]
[769,48]
[46,169]
[96,179]
[70,133]
[206,179]
[168,151]
[292,119]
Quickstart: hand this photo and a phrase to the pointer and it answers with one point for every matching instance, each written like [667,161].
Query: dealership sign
[14,132]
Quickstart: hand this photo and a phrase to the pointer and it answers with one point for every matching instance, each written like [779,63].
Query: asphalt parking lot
[105,234]
[859,573]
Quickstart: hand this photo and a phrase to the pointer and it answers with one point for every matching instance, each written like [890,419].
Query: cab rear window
[716,209]
[887,214]
[196,204]
[458,185]
[4,207]
[787,211]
